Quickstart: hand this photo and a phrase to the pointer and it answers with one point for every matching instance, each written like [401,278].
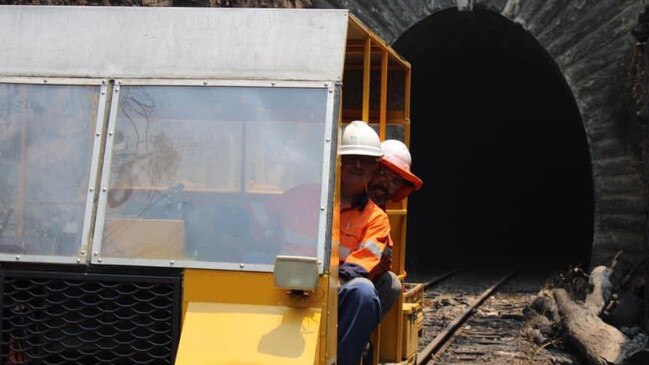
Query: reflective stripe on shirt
[373,247]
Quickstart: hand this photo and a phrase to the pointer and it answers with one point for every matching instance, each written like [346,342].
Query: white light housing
[296,272]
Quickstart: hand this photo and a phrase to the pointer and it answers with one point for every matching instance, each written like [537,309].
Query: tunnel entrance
[505,161]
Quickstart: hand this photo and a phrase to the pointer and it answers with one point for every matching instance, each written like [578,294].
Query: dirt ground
[497,332]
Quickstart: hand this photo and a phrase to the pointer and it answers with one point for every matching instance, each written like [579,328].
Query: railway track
[476,317]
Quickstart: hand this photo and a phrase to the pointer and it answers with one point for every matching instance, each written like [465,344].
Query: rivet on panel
[99,259]
[17,257]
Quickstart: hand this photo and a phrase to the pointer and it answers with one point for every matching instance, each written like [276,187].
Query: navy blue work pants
[359,312]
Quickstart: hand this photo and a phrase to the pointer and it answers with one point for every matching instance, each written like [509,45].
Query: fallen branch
[602,289]
[599,342]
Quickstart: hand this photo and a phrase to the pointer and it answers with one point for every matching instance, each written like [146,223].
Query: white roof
[184,43]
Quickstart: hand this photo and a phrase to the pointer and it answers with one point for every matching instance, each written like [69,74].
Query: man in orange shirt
[393,181]
[364,237]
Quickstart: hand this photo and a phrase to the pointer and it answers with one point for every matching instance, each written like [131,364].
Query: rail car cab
[168,182]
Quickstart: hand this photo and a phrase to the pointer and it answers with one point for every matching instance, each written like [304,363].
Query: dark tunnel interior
[499,142]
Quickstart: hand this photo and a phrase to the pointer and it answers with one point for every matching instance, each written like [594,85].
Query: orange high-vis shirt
[364,237]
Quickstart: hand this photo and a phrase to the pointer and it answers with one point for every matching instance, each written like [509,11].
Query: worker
[364,236]
[392,181]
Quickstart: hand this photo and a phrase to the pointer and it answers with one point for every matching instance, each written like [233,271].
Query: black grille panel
[73,318]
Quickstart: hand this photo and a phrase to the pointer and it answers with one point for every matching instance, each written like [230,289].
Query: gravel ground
[495,333]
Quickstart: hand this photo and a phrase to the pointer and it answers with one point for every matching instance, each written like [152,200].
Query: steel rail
[431,282]
[443,337]
[418,290]
[442,277]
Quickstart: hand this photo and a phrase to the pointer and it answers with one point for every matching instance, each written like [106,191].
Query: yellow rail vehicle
[168,183]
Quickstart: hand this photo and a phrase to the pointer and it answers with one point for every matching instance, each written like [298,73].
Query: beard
[378,194]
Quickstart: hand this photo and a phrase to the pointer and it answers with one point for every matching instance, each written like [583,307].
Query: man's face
[383,185]
[356,171]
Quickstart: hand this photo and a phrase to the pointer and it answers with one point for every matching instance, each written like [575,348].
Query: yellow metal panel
[390,342]
[411,313]
[383,107]
[245,287]
[367,64]
[220,333]
[236,287]
[358,30]
[258,289]
[330,324]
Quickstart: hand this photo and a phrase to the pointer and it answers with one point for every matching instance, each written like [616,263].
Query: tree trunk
[597,341]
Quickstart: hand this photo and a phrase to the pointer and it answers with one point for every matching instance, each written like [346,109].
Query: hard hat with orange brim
[397,158]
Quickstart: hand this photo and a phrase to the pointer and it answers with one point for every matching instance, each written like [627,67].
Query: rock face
[590,41]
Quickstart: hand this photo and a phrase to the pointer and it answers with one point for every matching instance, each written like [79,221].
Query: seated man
[364,237]
[393,181]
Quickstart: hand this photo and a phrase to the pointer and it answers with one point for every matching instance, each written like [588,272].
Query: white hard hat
[397,152]
[397,158]
[360,139]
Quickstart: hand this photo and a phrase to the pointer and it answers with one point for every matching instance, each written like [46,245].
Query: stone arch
[588,41]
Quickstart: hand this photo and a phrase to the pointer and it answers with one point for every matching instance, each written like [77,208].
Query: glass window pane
[281,155]
[46,136]
[200,173]
[392,131]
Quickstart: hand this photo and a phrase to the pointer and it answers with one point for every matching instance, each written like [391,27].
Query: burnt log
[543,304]
[599,342]
[601,289]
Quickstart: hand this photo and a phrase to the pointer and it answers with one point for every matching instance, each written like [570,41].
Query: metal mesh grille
[59,318]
